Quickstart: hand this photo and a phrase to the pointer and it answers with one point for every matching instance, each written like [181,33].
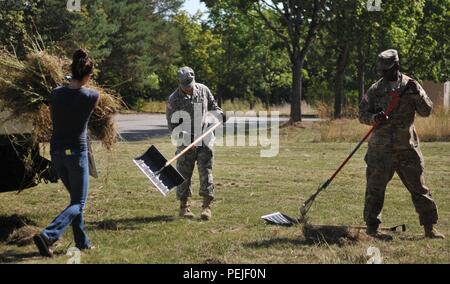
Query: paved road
[137,127]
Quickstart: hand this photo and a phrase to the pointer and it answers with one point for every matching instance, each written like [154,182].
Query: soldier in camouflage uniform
[394,145]
[196,101]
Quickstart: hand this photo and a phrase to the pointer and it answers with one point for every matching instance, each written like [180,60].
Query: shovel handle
[192,144]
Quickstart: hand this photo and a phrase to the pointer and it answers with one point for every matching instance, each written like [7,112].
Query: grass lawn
[130,222]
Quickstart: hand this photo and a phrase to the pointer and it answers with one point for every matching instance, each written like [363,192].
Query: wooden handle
[192,144]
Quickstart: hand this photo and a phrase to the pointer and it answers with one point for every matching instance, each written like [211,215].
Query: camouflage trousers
[185,165]
[409,165]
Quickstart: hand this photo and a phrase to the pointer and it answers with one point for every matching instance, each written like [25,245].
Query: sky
[192,6]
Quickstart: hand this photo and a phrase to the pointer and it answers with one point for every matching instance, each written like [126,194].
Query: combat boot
[206,208]
[185,209]
[432,233]
[374,232]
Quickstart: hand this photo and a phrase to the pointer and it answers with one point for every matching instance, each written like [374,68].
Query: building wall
[447,95]
[439,93]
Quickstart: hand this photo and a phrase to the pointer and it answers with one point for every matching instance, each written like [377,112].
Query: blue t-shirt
[70,112]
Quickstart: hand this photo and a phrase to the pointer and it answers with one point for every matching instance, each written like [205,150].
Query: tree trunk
[361,81]
[361,75]
[296,112]
[341,65]
[338,94]
[220,92]
[267,100]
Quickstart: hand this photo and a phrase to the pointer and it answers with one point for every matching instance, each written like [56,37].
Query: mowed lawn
[129,221]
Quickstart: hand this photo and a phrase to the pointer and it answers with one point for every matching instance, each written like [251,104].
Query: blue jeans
[73,170]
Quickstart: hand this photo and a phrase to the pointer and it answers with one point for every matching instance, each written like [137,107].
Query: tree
[429,48]
[92,30]
[341,29]
[129,49]
[52,22]
[251,63]
[296,23]
[200,48]
[12,26]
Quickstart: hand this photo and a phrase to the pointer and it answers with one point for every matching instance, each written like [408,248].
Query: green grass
[130,222]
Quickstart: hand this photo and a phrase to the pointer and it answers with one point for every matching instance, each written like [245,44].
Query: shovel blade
[150,163]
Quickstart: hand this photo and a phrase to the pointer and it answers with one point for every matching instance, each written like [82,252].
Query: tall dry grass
[342,130]
[151,106]
[230,105]
[433,128]
[285,109]
[325,110]
[242,105]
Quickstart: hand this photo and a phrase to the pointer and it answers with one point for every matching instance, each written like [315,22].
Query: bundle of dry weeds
[26,85]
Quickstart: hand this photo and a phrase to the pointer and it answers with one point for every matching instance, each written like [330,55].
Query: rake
[395,95]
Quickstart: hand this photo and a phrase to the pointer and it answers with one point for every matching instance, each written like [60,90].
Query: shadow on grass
[8,224]
[17,230]
[15,257]
[412,238]
[128,223]
[278,241]
[316,235]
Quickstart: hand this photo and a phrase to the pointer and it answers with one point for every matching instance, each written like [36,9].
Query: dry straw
[25,86]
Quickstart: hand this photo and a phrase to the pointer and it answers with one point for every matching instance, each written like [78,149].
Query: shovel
[160,171]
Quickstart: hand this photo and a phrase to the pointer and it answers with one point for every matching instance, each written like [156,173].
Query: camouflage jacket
[398,132]
[199,104]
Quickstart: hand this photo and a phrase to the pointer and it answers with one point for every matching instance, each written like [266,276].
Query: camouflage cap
[186,77]
[387,59]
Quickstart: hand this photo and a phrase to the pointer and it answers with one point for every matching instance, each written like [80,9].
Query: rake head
[305,208]
[309,202]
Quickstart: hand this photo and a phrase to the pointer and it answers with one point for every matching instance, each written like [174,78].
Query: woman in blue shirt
[71,107]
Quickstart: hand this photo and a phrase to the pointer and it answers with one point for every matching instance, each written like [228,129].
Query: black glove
[380,117]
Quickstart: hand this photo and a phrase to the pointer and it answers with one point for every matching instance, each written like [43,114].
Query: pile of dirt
[340,235]
[17,230]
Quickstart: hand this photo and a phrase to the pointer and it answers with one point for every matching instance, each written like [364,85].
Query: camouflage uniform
[201,100]
[394,147]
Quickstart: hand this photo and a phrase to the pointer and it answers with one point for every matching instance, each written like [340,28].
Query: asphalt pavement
[138,127]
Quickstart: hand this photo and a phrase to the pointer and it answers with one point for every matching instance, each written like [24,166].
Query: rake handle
[192,144]
[392,105]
